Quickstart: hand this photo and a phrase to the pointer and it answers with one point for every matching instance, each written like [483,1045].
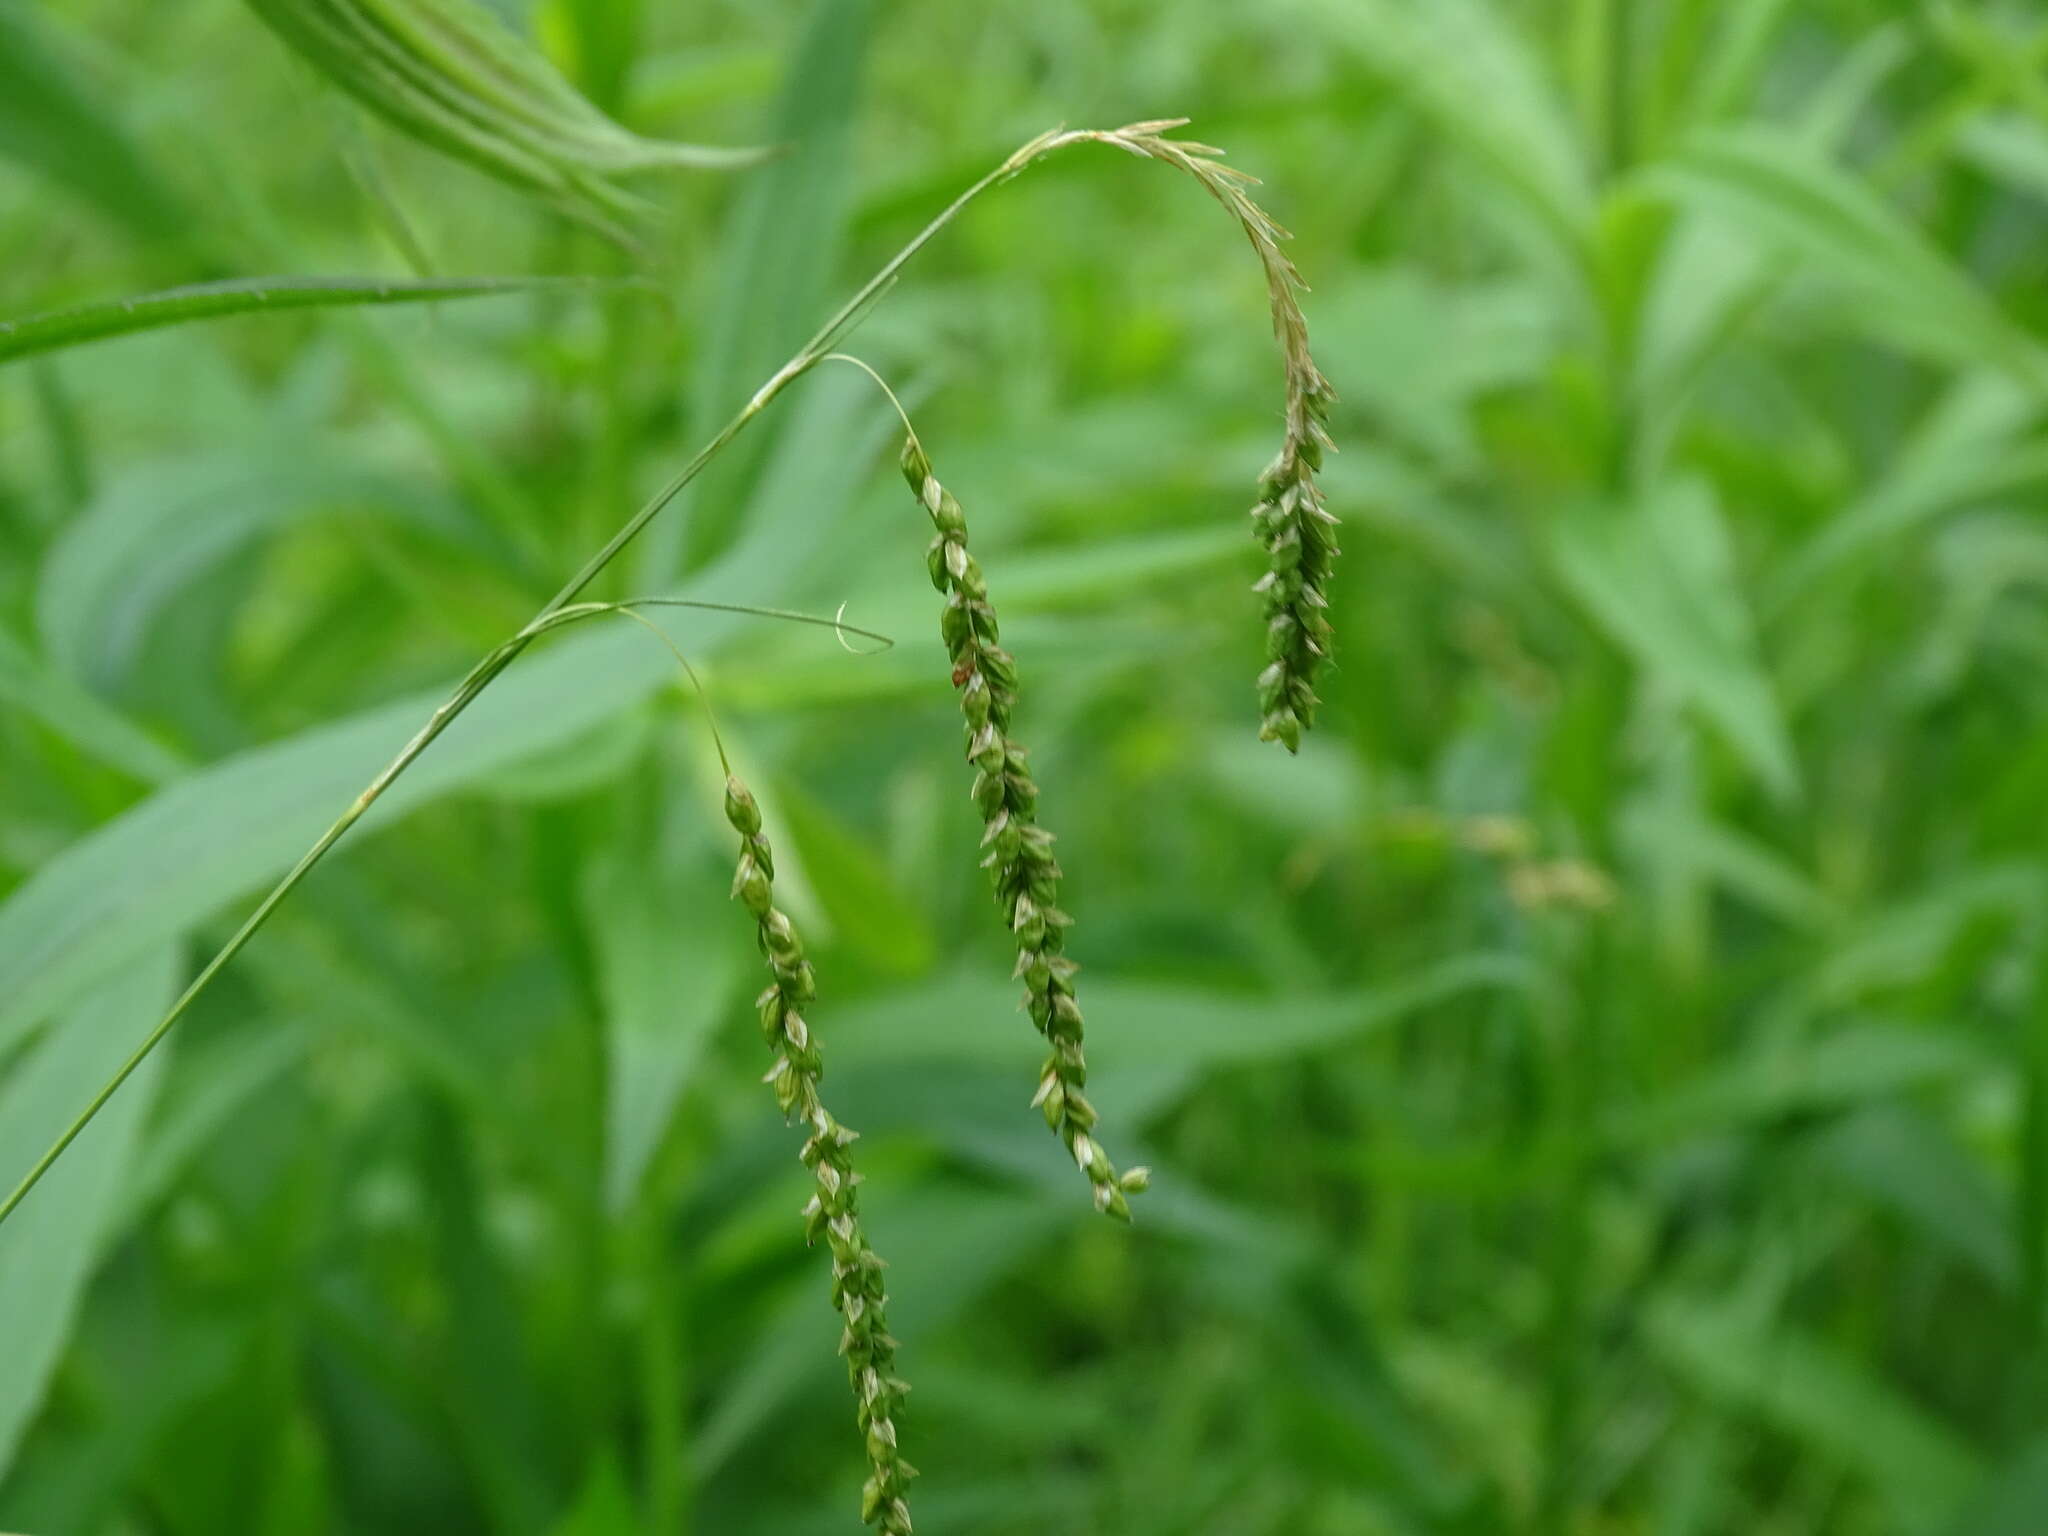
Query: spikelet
[833,1211]
[1019,850]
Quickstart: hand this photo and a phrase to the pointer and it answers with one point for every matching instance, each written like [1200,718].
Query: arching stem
[1138,138]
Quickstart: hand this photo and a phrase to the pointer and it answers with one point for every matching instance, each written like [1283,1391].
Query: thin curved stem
[480,677]
[865,367]
[627,610]
[471,686]
[836,623]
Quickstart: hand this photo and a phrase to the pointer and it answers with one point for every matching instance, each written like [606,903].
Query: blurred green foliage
[1600,1087]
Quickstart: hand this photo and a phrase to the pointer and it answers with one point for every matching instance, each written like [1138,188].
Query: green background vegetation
[1599,1087]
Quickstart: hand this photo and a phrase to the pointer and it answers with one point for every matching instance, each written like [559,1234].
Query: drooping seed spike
[831,1215]
[1019,856]
[1290,519]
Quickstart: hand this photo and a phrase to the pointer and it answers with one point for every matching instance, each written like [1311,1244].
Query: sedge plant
[1295,531]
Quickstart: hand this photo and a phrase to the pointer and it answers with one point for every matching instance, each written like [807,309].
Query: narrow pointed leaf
[241,296]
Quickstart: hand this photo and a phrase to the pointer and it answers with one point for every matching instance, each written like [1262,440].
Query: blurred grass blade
[1903,1161]
[53,125]
[485,1374]
[27,684]
[1968,448]
[1741,51]
[1846,1070]
[1829,1404]
[1661,579]
[450,74]
[1912,939]
[1776,189]
[1742,866]
[598,41]
[604,1504]
[866,910]
[1177,1028]
[780,255]
[245,295]
[788,225]
[666,984]
[170,861]
[209,1082]
[1712,277]
[153,532]
[2011,1499]
[2013,149]
[50,1249]
[1475,79]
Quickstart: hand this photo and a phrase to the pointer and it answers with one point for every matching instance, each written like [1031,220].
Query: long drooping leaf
[49,1252]
[241,296]
[450,74]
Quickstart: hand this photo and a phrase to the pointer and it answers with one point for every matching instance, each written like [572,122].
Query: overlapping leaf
[452,75]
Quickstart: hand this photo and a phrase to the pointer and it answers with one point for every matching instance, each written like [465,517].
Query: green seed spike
[1020,851]
[1298,534]
[832,1215]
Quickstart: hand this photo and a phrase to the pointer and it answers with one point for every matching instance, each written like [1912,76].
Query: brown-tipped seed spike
[832,1215]
[1019,851]
[1298,534]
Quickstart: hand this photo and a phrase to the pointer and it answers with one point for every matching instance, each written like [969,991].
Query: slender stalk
[665,1437]
[1577,948]
[2030,1209]
[486,671]
[554,616]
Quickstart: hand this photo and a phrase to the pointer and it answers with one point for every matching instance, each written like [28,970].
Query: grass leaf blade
[63,328]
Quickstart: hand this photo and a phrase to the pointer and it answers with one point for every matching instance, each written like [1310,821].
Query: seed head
[832,1214]
[1289,519]
[1018,851]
